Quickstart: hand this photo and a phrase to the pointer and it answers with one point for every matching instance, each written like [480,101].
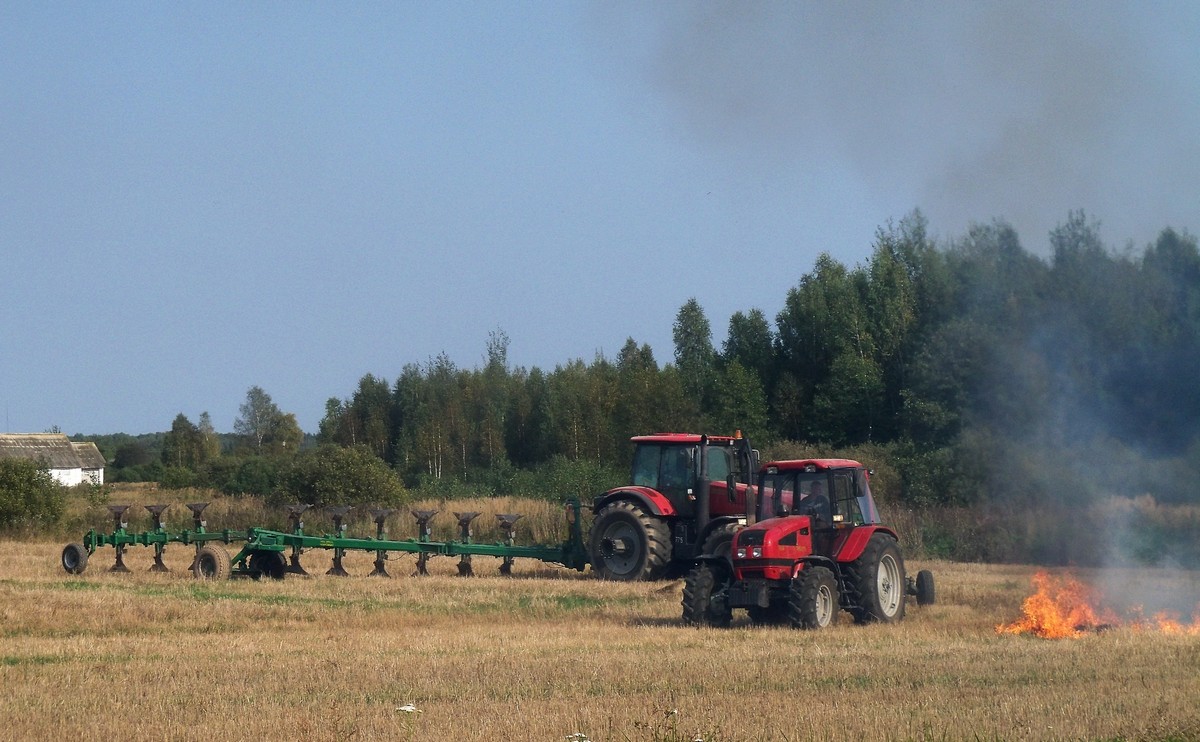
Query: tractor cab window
[677,474]
[776,494]
[846,507]
[668,469]
[720,463]
[866,503]
[814,500]
[646,460]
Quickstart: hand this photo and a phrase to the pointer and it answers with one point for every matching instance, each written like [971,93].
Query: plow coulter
[275,554]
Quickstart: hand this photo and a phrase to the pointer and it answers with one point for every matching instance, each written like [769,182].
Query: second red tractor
[818,547]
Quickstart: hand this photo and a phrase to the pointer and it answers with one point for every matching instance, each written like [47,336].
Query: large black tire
[719,541]
[878,577]
[813,599]
[74,559]
[627,543]
[212,563]
[926,593]
[704,601]
[270,564]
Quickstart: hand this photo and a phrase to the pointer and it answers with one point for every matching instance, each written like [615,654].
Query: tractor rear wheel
[879,577]
[74,559]
[704,597]
[813,599]
[270,564]
[627,543]
[212,563]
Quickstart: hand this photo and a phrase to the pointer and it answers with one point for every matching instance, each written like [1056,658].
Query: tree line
[930,349]
[978,372]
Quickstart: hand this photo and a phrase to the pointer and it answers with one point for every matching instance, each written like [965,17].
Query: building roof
[54,448]
[89,455]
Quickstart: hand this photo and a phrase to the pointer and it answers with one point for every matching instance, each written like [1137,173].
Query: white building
[69,463]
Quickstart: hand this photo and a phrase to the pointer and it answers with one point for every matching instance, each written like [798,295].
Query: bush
[254,475]
[332,475]
[29,496]
[177,478]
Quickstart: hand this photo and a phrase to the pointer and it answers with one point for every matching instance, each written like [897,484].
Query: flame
[1065,608]
[1060,608]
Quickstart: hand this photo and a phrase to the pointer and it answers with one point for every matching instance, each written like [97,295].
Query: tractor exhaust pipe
[703,493]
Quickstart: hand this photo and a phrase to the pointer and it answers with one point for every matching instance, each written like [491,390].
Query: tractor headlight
[756,552]
[741,553]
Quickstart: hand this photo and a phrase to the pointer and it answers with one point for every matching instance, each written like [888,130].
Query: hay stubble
[544,655]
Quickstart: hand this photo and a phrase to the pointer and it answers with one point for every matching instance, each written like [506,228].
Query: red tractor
[818,548]
[688,494]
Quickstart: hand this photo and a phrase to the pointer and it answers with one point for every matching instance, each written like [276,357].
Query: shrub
[29,496]
[332,475]
[177,478]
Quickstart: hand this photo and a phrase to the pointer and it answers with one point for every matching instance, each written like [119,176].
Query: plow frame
[264,546]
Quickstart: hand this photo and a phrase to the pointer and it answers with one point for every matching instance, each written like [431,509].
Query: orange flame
[1060,608]
[1065,608]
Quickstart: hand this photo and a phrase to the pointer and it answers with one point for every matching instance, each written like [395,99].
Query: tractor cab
[680,465]
[835,493]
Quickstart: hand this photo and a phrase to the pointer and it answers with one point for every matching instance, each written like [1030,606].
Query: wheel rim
[619,548]
[207,566]
[889,585]
[824,605]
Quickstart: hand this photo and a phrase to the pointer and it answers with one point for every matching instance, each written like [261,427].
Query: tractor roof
[680,438]
[817,464]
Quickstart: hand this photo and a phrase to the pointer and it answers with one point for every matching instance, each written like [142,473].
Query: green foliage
[694,354]
[29,496]
[178,477]
[264,428]
[151,472]
[249,475]
[332,475]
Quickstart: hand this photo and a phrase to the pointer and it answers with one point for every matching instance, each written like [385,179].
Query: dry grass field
[550,654]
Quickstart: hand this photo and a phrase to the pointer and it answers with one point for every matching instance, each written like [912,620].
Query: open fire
[1065,608]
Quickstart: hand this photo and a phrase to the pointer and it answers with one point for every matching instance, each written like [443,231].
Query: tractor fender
[817,561]
[720,565]
[856,542]
[652,501]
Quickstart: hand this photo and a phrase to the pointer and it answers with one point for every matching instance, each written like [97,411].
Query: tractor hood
[771,547]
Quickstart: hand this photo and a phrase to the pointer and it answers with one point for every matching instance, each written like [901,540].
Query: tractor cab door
[670,469]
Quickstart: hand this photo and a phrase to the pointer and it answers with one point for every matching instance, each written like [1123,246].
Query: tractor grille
[750,538]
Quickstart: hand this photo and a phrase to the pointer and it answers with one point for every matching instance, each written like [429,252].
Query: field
[550,654]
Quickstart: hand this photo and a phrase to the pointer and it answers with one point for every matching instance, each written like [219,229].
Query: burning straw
[1065,608]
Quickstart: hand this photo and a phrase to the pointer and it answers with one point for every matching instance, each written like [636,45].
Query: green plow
[275,554]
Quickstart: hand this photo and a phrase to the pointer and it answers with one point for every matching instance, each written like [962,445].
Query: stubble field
[550,654]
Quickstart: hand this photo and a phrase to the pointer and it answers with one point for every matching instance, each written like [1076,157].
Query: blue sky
[196,198]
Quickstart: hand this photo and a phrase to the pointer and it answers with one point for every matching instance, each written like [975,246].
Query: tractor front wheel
[627,543]
[705,600]
[813,599]
[879,576]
